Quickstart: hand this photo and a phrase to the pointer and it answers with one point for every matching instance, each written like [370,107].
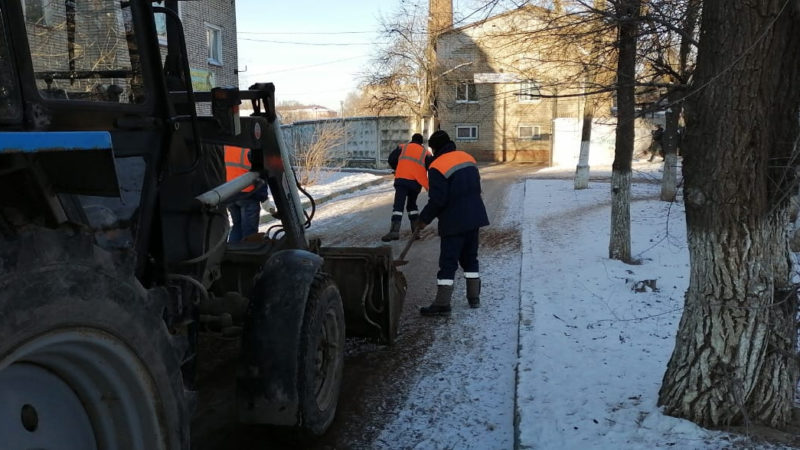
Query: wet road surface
[375,381]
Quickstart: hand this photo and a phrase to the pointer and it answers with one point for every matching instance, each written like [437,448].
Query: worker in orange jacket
[410,164]
[454,198]
[245,208]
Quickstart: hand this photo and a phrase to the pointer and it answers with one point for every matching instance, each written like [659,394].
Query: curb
[267,218]
[350,190]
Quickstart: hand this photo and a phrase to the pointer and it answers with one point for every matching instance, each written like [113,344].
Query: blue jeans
[245,214]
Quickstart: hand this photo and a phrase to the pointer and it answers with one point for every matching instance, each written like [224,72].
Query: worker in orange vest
[410,164]
[245,208]
[454,197]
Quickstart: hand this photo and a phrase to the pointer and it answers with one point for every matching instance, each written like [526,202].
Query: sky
[562,342]
[315,51]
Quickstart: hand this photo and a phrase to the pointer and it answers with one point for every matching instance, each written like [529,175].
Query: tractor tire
[86,361]
[321,356]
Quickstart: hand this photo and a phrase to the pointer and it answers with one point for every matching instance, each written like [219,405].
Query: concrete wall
[567,141]
[367,141]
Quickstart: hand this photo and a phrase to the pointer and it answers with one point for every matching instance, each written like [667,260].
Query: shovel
[401,261]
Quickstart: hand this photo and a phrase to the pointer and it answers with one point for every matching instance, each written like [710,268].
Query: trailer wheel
[86,361]
[321,356]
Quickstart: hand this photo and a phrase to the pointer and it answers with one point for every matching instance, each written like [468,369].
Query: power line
[308,66]
[306,43]
[307,32]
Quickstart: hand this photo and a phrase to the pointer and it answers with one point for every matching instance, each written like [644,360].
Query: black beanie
[438,139]
[416,138]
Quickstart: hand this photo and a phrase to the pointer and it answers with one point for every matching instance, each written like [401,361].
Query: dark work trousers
[245,216]
[405,196]
[458,249]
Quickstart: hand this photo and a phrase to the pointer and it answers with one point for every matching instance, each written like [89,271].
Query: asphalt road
[374,385]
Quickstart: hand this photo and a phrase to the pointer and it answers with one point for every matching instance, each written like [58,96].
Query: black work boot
[413,218]
[394,232]
[474,292]
[441,304]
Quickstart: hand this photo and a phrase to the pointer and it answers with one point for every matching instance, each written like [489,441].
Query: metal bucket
[372,290]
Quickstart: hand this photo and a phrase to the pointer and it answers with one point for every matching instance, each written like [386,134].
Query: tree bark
[669,181]
[627,15]
[735,358]
[582,170]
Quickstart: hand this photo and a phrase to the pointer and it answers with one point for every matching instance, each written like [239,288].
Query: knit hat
[438,139]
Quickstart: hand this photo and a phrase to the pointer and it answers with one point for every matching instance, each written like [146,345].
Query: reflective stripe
[236,164]
[397,213]
[404,154]
[444,282]
[241,166]
[472,275]
[457,167]
[451,162]
[411,164]
[411,213]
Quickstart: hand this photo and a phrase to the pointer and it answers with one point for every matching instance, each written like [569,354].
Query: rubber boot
[413,218]
[394,232]
[441,304]
[474,292]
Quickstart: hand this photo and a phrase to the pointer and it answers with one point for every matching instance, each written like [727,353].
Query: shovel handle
[408,244]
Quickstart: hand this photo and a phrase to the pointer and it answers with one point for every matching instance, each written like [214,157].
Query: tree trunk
[619,246]
[669,187]
[669,182]
[735,357]
[582,170]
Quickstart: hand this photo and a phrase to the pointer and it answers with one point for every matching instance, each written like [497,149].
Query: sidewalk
[592,349]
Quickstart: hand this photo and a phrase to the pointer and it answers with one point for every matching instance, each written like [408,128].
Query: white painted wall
[567,141]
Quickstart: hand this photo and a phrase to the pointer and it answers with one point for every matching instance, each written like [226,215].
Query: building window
[466,93]
[529,92]
[41,12]
[530,132]
[214,41]
[466,132]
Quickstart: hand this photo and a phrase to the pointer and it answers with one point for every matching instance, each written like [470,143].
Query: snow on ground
[592,350]
[331,182]
[589,352]
[463,391]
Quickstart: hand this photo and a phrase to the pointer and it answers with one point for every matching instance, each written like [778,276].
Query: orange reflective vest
[411,164]
[452,161]
[236,164]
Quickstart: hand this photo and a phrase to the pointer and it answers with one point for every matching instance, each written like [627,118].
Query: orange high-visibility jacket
[237,164]
[449,162]
[411,164]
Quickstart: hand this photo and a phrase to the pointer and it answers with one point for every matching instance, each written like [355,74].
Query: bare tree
[735,358]
[315,149]
[669,45]
[401,73]
[591,74]
[627,16]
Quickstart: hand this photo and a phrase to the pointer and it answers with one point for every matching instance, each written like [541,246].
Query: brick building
[99,45]
[210,30]
[498,95]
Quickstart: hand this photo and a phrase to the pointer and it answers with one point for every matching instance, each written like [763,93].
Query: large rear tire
[321,356]
[85,358]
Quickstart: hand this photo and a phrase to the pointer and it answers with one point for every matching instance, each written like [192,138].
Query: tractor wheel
[86,361]
[321,356]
